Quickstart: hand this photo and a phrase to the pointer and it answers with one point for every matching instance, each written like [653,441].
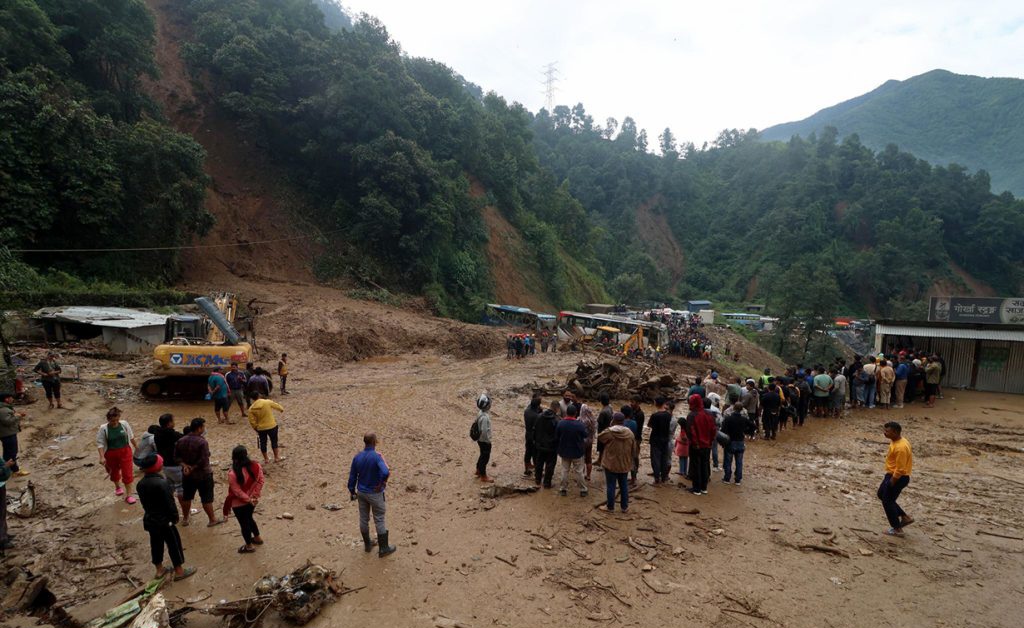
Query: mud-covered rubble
[622,379]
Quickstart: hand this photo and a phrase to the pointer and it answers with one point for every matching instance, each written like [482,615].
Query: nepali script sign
[976,310]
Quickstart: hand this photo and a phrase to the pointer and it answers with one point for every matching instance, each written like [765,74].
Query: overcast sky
[700,67]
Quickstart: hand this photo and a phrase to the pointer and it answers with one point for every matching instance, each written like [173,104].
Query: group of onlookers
[176,467]
[522,345]
[242,388]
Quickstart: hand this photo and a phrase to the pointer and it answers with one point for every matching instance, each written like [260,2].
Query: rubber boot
[383,549]
[368,543]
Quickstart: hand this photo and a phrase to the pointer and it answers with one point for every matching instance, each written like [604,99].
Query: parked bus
[514,316]
[574,325]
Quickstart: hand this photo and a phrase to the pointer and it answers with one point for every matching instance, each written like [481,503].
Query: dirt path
[733,563]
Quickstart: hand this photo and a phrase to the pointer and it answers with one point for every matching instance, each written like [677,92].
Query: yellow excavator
[636,339]
[193,345]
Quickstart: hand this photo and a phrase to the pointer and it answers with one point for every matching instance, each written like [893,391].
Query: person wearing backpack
[481,433]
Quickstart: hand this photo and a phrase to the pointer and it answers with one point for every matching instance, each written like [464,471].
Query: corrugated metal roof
[949,332]
[119,317]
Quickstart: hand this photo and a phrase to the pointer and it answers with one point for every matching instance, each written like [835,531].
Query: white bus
[573,325]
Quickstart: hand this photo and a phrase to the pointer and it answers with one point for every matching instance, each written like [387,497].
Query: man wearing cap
[10,425]
[712,385]
[161,516]
[367,478]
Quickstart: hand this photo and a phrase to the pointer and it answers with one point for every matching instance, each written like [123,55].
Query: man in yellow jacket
[262,419]
[899,462]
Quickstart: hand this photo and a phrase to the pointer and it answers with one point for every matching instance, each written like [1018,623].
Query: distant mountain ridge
[938,116]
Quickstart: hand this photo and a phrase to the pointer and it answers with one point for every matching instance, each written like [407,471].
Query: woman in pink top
[245,481]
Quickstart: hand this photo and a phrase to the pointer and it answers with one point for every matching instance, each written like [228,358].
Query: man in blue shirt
[218,389]
[900,385]
[369,475]
[571,434]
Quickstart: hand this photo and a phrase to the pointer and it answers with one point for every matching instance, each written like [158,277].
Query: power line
[550,70]
[171,248]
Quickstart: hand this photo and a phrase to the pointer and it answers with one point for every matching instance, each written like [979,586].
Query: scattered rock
[866,552]
[287,515]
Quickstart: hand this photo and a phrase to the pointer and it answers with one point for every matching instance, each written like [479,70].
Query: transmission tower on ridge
[550,78]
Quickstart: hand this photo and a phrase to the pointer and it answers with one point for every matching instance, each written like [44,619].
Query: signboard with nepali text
[986,310]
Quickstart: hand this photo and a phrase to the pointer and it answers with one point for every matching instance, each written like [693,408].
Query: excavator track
[174,387]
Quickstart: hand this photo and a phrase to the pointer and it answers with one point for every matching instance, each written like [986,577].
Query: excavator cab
[186,329]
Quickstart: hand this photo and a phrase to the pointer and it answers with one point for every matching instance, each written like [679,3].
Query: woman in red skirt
[116,442]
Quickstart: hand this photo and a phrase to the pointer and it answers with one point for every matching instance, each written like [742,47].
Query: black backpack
[474,430]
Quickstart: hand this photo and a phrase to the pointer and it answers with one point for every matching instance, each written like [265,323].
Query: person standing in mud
[193,452]
[49,374]
[545,442]
[262,420]
[165,437]
[604,420]
[367,478]
[259,384]
[249,372]
[588,420]
[245,483]
[530,417]
[217,387]
[571,436]
[620,449]
[282,372]
[5,475]
[161,515]
[899,462]
[10,426]
[483,421]
[236,389]
[660,441]
[116,442]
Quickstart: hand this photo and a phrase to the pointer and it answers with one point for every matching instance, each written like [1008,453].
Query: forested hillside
[387,146]
[940,117]
[85,160]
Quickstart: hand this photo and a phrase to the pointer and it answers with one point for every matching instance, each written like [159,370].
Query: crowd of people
[242,388]
[518,346]
[717,414]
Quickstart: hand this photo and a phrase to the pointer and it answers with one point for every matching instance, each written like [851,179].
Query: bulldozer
[193,345]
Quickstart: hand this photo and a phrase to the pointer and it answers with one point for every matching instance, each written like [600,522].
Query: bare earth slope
[249,208]
[661,244]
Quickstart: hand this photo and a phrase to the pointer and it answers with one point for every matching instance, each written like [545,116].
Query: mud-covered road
[543,560]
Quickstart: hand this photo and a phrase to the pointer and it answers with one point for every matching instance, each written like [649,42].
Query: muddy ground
[538,560]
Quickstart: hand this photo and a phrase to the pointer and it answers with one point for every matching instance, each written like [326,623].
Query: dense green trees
[881,228]
[402,152]
[83,164]
[939,116]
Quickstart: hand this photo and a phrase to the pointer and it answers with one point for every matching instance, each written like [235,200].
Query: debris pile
[298,597]
[619,380]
